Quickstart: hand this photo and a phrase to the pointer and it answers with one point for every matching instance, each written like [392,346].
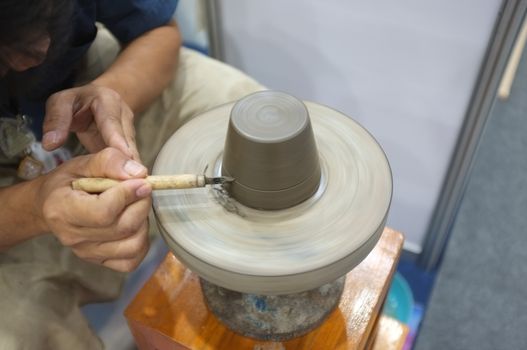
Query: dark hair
[23,22]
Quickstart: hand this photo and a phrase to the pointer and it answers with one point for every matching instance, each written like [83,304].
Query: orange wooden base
[169,311]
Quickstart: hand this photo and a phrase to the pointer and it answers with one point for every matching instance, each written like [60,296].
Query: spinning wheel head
[325,177]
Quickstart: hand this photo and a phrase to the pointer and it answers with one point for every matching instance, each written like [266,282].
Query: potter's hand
[110,228]
[97,114]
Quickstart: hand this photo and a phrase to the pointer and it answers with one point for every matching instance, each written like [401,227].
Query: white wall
[404,69]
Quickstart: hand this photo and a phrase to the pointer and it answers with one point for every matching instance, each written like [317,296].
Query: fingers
[133,217]
[108,114]
[90,138]
[57,121]
[122,265]
[128,248]
[104,210]
[126,265]
[127,121]
[97,114]
[82,119]
[121,255]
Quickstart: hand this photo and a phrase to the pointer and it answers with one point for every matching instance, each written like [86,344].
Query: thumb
[57,121]
[114,164]
[117,198]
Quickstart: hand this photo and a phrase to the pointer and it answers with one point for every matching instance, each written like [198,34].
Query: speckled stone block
[272,317]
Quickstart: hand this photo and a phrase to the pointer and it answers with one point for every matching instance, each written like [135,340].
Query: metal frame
[212,13]
[506,29]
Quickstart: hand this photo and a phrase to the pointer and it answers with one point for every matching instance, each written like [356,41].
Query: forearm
[145,67]
[19,219]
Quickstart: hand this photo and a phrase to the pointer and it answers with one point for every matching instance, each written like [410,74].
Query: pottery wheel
[275,251]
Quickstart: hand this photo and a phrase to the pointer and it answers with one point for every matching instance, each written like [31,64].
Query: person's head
[31,32]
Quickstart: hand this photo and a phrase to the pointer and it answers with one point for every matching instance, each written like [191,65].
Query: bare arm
[19,219]
[145,67]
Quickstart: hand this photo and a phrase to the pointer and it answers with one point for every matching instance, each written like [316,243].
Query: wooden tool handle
[158,182]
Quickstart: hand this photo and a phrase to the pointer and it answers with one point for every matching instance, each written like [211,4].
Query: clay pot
[270,150]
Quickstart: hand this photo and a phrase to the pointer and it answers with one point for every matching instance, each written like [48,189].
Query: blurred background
[442,86]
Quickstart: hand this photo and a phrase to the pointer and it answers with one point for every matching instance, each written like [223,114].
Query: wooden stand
[169,311]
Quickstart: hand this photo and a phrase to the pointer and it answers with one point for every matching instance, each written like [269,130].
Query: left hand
[98,116]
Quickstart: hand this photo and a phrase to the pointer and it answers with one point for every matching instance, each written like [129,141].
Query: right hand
[110,228]
[97,114]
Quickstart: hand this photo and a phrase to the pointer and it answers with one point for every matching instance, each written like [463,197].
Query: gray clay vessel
[271,152]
